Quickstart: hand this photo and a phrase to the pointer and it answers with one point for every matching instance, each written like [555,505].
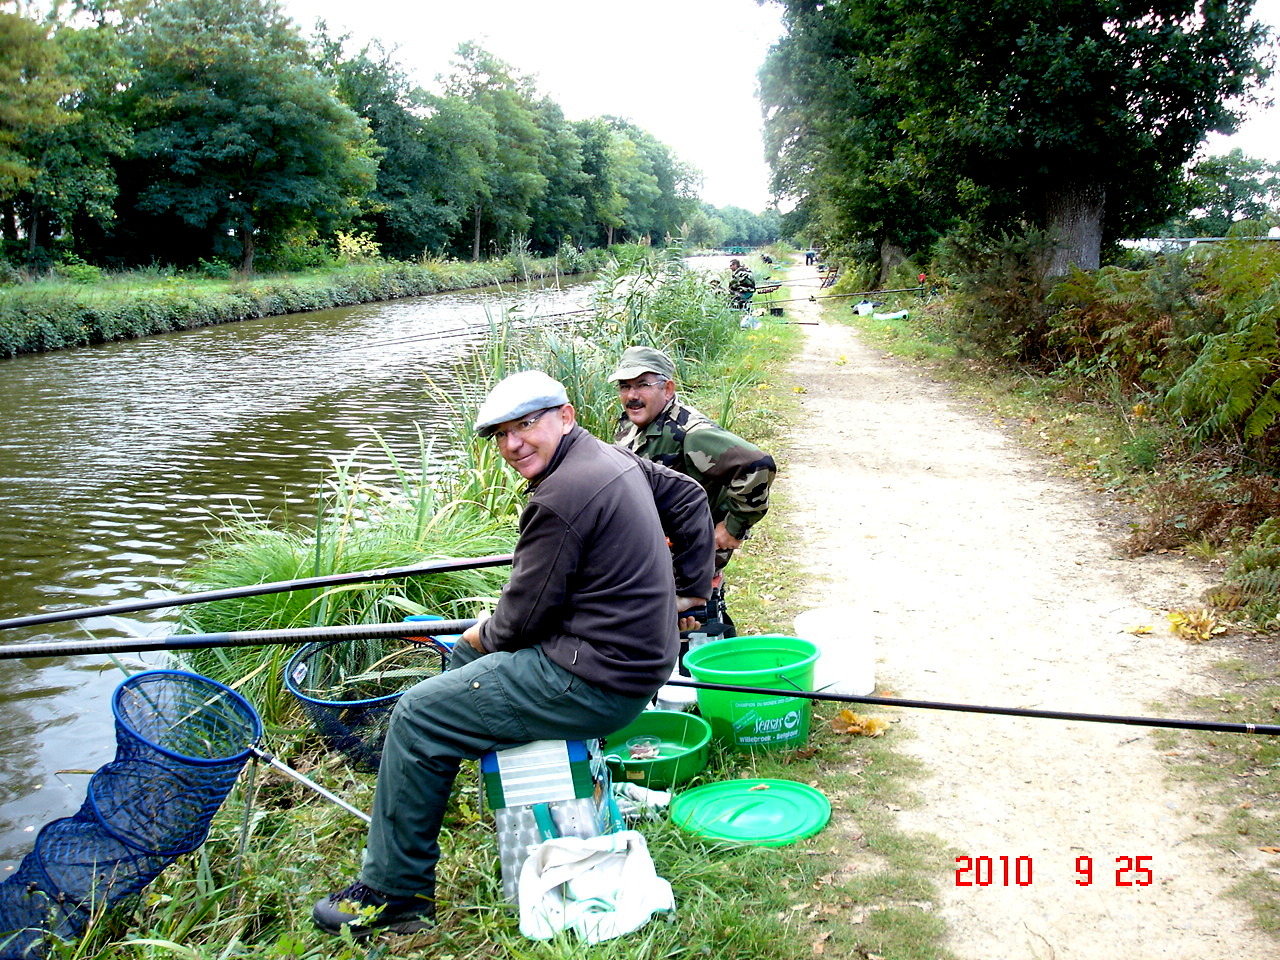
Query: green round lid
[765,813]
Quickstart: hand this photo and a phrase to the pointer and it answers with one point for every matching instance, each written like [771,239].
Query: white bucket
[847,663]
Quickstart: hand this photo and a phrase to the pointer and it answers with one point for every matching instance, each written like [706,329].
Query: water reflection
[117,461]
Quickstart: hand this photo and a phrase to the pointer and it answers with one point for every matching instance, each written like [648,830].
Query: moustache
[634,405]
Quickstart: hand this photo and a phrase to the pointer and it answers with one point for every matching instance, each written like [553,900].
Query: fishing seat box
[544,789]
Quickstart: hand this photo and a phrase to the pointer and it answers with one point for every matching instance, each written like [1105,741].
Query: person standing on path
[583,635]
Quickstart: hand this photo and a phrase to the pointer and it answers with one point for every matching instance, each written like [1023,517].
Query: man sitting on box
[582,637]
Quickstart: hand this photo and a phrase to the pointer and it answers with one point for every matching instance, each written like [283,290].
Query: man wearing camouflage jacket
[657,426]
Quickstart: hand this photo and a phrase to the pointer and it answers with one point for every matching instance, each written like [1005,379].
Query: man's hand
[724,539]
[472,634]
[688,603]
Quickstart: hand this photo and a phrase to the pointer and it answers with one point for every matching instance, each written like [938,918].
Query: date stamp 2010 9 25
[1019,871]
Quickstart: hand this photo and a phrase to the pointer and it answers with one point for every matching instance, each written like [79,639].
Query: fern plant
[1252,580]
[1232,388]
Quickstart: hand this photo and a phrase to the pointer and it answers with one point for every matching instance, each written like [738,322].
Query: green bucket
[754,721]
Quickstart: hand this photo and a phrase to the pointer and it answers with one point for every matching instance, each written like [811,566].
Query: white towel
[599,887]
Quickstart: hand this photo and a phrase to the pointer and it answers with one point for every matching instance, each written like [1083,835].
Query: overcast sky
[685,70]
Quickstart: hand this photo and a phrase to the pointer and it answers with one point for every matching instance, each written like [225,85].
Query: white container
[676,698]
[847,662]
[864,308]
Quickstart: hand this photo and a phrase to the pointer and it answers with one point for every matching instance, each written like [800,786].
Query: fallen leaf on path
[1141,630]
[846,721]
[1270,849]
[1195,626]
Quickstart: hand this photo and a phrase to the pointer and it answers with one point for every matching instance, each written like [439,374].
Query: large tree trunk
[890,256]
[247,249]
[1073,217]
[33,233]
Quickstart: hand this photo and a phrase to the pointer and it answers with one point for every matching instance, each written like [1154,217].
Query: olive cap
[639,360]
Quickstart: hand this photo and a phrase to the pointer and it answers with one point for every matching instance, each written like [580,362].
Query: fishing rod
[371,631]
[1214,726]
[474,328]
[238,638]
[259,589]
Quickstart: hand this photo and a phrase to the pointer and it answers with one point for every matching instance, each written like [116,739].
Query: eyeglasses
[523,426]
[641,385]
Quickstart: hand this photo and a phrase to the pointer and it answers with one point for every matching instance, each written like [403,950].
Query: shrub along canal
[119,460]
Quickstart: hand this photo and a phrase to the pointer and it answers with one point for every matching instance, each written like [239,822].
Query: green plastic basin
[684,743]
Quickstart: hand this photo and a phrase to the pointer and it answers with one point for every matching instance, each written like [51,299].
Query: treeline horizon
[196,132]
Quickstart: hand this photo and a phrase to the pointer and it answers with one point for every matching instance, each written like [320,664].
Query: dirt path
[983,579]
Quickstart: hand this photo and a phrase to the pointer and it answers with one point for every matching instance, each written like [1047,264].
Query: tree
[72,196]
[704,228]
[557,213]
[602,199]
[32,81]
[832,133]
[1075,115]
[1224,189]
[236,132]
[657,188]
[430,170]
[514,179]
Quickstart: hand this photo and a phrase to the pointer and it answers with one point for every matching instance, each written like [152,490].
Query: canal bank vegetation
[749,903]
[81,307]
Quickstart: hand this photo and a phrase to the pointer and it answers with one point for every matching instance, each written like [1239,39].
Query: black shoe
[366,911]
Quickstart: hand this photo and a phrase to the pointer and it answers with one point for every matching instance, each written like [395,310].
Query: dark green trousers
[482,702]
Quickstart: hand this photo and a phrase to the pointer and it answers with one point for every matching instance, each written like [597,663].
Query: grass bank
[76,309]
[813,898]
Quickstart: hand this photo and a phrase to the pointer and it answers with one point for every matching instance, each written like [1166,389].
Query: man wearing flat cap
[656,425]
[583,635]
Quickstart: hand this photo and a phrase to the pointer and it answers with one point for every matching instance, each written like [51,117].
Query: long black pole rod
[259,589]
[241,638]
[368,631]
[1215,726]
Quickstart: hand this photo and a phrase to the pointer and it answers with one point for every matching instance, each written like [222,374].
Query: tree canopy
[235,131]
[898,118]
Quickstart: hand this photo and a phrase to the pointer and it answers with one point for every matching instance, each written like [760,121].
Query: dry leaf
[820,942]
[846,721]
[1195,626]
[1141,630]
[1270,849]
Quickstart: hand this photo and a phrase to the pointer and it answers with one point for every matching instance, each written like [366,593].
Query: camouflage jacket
[742,284]
[735,473]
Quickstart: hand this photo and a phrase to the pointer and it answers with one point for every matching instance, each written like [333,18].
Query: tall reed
[365,523]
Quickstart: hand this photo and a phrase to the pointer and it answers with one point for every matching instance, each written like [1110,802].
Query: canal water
[117,461]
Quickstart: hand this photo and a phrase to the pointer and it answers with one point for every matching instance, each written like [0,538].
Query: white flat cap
[517,395]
